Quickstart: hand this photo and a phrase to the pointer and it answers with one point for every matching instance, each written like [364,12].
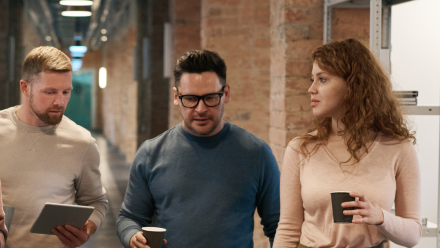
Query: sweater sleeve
[88,186]
[138,206]
[292,211]
[405,227]
[268,199]
[3,228]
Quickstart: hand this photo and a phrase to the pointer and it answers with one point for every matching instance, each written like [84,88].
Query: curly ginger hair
[370,104]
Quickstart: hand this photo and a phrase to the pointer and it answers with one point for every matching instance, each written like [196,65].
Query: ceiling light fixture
[77,3]
[102,77]
[77,47]
[76,64]
[77,11]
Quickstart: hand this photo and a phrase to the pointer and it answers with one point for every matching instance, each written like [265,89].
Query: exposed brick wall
[351,23]
[185,21]
[119,102]
[31,37]
[239,31]
[296,30]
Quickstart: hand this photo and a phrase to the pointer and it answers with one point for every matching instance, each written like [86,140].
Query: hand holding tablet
[68,222]
[54,215]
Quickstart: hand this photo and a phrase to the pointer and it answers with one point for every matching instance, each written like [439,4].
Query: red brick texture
[185,21]
[239,31]
[296,30]
[119,101]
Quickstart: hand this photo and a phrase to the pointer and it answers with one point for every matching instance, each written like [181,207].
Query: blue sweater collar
[217,137]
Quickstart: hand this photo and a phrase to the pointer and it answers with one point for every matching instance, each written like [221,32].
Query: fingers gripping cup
[338,197]
[154,236]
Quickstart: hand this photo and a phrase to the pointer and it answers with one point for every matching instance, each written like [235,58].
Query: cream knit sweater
[387,174]
[56,164]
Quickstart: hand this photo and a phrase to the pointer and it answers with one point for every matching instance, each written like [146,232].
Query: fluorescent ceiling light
[76,13]
[102,77]
[78,49]
[76,64]
[77,55]
[77,3]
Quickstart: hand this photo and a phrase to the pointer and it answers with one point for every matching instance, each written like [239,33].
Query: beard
[44,116]
[210,129]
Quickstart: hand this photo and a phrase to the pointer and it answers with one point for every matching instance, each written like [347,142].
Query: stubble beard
[210,130]
[45,117]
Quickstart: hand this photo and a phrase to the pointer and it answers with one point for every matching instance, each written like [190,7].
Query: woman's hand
[371,215]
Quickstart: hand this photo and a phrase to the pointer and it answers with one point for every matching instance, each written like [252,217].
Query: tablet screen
[54,215]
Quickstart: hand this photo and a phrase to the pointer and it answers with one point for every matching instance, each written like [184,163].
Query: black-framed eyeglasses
[210,100]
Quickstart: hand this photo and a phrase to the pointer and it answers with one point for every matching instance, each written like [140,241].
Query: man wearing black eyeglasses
[205,177]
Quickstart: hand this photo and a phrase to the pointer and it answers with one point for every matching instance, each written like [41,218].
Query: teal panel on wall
[79,108]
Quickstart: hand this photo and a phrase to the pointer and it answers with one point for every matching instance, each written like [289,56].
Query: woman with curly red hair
[358,142]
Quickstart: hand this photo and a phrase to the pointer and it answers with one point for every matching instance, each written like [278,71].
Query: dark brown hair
[199,61]
[370,103]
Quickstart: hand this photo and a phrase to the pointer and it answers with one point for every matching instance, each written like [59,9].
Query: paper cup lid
[154,229]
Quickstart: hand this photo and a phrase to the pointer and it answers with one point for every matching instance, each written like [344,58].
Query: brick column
[239,31]
[296,30]
[152,114]
[185,22]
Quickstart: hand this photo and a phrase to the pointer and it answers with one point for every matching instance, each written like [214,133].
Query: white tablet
[54,215]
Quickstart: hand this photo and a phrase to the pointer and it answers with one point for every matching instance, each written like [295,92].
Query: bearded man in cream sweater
[46,157]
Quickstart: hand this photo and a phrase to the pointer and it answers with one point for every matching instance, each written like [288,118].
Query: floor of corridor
[114,176]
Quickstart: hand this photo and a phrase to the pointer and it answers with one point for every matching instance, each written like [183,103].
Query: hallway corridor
[114,176]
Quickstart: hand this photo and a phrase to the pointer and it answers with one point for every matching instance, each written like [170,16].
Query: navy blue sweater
[204,190]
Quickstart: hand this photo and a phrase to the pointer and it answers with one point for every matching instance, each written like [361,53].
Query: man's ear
[176,98]
[227,93]
[25,87]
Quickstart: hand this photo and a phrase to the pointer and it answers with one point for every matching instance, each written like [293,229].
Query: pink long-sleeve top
[389,173]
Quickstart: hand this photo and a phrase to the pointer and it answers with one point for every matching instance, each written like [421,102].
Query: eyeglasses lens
[210,100]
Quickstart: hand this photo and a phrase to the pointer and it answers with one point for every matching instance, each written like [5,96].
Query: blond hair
[44,58]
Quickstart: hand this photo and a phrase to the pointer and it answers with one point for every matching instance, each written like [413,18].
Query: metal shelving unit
[380,34]
[380,24]
[431,229]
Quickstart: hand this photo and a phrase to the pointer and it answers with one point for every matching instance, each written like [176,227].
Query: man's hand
[72,237]
[139,241]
